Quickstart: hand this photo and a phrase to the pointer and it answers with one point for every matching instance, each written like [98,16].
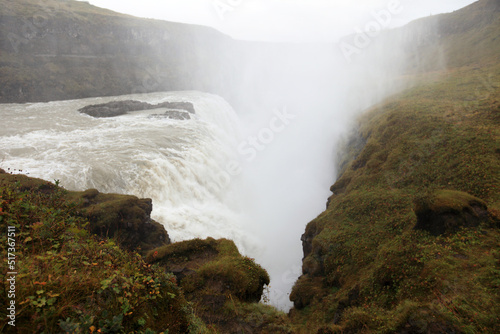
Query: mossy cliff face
[195,261]
[409,240]
[446,212]
[122,217]
[223,286]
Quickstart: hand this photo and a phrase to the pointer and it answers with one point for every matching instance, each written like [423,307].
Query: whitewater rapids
[179,164]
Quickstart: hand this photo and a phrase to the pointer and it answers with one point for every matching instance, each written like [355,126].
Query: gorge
[255,161]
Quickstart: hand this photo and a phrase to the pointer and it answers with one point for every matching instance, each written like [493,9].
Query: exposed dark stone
[181,272]
[184,258]
[352,298]
[446,211]
[172,114]
[312,230]
[124,217]
[188,106]
[305,290]
[114,108]
[117,108]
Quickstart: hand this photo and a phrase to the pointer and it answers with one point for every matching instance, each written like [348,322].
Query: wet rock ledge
[175,110]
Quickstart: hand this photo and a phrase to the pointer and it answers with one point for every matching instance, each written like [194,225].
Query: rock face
[216,278]
[312,230]
[123,217]
[194,261]
[84,271]
[117,108]
[305,290]
[187,106]
[446,211]
[200,278]
[172,114]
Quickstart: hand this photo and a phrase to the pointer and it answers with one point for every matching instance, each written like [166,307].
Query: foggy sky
[282,20]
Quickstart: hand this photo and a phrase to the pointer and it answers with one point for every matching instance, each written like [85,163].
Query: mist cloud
[279,20]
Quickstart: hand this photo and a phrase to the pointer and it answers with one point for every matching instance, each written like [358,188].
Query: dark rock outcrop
[118,108]
[123,217]
[172,114]
[216,278]
[312,230]
[305,290]
[446,211]
[212,266]
[187,106]
[184,258]
[114,108]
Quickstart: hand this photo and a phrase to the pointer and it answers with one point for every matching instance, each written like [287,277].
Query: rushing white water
[176,163]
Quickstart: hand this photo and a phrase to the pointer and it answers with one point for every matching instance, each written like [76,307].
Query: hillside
[409,240]
[70,49]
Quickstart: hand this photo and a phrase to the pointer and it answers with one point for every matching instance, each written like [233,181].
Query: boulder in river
[118,108]
[172,114]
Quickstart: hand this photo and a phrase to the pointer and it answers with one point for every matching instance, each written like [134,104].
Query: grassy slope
[70,280]
[369,271]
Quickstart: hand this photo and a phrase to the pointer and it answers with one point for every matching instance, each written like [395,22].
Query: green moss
[446,211]
[75,281]
[213,264]
[239,276]
[256,318]
[191,249]
[444,200]
[305,290]
[214,276]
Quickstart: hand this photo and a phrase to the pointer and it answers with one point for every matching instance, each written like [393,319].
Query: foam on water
[176,163]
